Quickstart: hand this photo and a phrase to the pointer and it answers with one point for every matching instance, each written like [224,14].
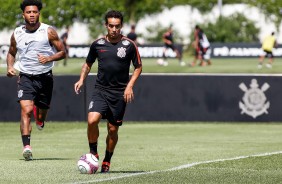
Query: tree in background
[235,28]
[157,32]
[63,13]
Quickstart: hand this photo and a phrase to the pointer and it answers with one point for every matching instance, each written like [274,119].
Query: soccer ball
[88,164]
[161,62]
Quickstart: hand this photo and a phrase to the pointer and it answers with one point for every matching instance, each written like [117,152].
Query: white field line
[179,167]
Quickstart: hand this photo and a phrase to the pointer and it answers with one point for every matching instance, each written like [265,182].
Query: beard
[32,23]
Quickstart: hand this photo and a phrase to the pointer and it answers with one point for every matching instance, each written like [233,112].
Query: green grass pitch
[148,152]
[219,65]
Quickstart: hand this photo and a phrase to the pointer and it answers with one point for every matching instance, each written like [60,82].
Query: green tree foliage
[10,14]
[61,13]
[235,28]
[157,32]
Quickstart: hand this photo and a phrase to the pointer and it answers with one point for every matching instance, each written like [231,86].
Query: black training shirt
[113,62]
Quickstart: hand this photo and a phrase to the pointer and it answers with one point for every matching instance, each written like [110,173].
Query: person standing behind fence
[113,88]
[169,44]
[38,46]
[64,39]
[267,45]
[132,34]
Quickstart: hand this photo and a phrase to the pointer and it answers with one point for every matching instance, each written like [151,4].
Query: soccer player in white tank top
[38,46]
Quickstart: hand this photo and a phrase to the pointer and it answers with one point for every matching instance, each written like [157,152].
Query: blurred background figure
[267,45]
[202,47]
[64,38]
[169,44]
[132,35]
[195,52]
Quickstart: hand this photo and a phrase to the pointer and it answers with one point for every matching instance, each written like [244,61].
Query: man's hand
[11,72]
[128,95]
[42,59]
[77,87]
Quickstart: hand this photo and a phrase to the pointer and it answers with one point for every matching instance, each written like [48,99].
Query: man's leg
[111,141]
[261,59]
[179,57]
[93,132]
[269,64]
[25,127]
[39,116]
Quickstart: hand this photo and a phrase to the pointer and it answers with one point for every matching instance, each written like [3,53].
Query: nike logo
[26,43]
[103,50]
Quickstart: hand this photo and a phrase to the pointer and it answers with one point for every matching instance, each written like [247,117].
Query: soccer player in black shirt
[132,34]
[113,88]
[169,44]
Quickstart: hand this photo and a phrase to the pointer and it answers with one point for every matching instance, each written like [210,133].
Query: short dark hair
[114,14]
[37,3]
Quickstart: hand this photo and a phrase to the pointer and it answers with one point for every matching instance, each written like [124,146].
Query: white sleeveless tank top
[29,45]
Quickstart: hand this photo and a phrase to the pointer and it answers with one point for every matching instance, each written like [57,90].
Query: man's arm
[57,43]
[128,93]
[83,74]
[11,57]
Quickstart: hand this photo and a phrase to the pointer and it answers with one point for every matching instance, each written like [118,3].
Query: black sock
[26,140]
[108,156]
[93,148]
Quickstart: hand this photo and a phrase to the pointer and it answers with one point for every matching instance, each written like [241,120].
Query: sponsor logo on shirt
[41,30]
[125,42]
[101,41]
[103,50]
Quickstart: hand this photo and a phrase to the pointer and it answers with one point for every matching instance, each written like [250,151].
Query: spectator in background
[202,47]
[132,35]
[267,45]
[64,38]
[169,44]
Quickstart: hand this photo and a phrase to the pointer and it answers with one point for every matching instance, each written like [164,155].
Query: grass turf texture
[148,148]
[234,65]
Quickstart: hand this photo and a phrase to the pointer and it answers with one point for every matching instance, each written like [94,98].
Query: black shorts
[170,46]
[268,54]
[111,107]
[37,88]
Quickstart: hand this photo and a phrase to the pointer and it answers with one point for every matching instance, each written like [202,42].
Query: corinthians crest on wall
[254,100]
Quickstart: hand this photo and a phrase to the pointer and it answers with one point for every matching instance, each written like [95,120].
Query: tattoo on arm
[57,43]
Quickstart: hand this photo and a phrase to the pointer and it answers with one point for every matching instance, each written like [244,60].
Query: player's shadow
[127,172]
[35,159]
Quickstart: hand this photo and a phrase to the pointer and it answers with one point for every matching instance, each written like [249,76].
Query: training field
[150,152]
[167,152]
[219,65]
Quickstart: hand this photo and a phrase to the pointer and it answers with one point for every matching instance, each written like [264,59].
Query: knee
[26,112]
[113,131]
[94,118]
[93,123]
